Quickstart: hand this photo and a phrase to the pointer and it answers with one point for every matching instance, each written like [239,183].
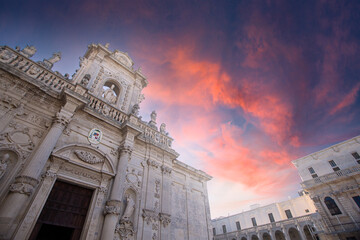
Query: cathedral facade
[78,162]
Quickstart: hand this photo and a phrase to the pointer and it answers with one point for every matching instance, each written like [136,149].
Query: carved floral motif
[24,185]
[112,207]
[165,219]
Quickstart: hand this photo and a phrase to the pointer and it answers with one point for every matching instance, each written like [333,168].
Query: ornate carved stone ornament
[112,207]
[4,164]
[109,95]
[125,230]
[6,56]
[88,157]
[152,163]
[28,51]
[95,136]
[85,80]
[150,216]
[123,58]
[157,188]
[62,119]
[133,178]
[135,110]
[166,170]
[165,219]
[20,137]
[24,185]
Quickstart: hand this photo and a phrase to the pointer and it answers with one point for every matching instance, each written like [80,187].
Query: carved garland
[88,157]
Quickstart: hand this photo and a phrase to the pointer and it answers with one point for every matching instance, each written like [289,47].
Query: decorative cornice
[165,219]
[166,170]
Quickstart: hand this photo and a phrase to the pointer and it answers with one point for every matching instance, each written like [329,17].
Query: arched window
[332,206]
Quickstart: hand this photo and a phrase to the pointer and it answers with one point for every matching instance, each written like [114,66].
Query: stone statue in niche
[85,79]
[153,116]
[4,164]
[135,109]
[109,94]
[130,207]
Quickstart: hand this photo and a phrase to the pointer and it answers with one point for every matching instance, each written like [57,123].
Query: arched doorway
[294,234]
[279,235]
[243,238]
[309,233]
[254,237]
[266,236]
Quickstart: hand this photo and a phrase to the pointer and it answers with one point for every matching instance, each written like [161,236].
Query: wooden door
[64,213]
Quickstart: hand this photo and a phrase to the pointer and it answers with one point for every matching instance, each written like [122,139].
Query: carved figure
[163,128]
[28,51]
[4,164]
[109,94]
[130,207]
[153,116]
[85,79]
[135,109]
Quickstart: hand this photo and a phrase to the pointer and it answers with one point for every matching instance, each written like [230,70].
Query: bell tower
[110,76]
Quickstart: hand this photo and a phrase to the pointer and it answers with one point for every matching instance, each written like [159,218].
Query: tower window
[357,200]
[214,231]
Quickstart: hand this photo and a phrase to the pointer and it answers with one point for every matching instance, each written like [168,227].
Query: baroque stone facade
[82,138]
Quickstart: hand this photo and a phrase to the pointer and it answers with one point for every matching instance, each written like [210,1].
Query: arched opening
[266,236]
[309,232]
[279,235]
[294,234]
[254,237]
[332,206]
[243,238]
[110,92]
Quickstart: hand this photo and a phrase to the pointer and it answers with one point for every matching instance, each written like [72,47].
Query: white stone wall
[297,207]
[319,161]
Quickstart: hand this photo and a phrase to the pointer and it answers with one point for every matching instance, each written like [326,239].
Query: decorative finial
[28,51]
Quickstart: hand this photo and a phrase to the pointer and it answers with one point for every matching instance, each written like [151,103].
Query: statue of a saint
[153,116]
[135,109]
[130,207]
[109,94]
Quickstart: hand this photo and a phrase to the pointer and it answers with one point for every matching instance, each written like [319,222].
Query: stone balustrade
[313,219]
[34,70]
[330,177]
[105,109]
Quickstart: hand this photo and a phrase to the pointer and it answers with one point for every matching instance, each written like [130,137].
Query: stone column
[165,215]
[301,231]
[286,234]
[113,206]
[27,181]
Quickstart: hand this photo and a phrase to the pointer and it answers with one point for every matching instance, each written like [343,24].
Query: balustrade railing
[34,70]
[106,109]
[330,177]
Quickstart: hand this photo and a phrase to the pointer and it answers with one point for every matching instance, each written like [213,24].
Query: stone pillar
[27,181]
[301,231]
[272,234]
[113,206]
[286,234]
[7,117]
[165,215]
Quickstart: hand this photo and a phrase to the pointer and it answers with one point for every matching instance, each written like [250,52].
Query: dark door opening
[64,213]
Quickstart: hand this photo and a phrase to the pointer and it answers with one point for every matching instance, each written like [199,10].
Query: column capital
[112,207]
[24,185]
[125,149]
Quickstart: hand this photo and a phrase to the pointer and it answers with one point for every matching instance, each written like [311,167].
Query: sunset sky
[243,86]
